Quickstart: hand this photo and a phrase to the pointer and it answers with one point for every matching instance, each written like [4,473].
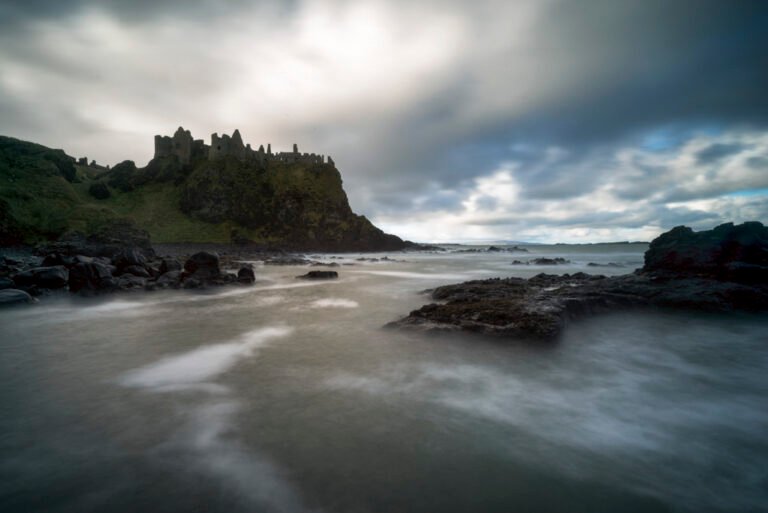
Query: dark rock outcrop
[128,257]
[721,270]
[168,265]
[171,279]
[729,252]
[246,274]
[550,261]
[202,266]
[319,275]
[43,277]
[91,277]
[135,270]
[542,261]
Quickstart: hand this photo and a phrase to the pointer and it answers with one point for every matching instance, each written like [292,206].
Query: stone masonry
[183,146]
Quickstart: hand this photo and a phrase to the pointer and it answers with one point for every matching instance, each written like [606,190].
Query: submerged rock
[10,297]
[319,275]
[550,261]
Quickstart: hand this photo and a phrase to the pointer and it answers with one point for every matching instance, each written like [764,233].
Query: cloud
[418,102]
[631,193]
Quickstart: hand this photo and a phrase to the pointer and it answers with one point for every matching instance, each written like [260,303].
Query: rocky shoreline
[120,258]
[720,270]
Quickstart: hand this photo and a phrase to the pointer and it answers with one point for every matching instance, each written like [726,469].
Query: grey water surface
[289,396]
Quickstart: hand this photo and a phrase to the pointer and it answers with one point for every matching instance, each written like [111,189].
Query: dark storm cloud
[647,65]
[716,152]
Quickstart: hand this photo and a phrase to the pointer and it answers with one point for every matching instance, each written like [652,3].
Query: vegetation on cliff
[289,205]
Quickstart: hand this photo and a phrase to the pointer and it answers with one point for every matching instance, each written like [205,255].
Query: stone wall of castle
[180,145]
[185,148]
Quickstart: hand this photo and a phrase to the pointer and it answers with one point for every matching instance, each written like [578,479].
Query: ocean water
[289,396]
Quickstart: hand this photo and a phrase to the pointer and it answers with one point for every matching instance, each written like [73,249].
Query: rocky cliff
[189,192]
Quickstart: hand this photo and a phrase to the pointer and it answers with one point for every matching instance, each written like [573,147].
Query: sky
[530,120]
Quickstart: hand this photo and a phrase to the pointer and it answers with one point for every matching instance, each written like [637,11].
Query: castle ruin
[183,146]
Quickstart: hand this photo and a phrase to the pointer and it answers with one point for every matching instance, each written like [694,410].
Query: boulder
[129,257]
[131,282]
[169,264]
[319,275]
[169,279]
[6,283]
[91,277]
[136,270]
[203,266]
[193,283]
[10,297]
[246,274]
[54,277]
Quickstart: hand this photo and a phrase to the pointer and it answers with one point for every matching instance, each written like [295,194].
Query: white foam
[201,364]
[334,302]
[418,276]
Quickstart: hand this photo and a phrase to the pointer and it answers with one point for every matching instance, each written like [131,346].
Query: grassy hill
[44,194]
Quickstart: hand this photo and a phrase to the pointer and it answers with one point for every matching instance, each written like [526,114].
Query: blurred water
[288,396]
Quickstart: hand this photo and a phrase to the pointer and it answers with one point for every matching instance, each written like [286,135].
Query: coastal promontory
[190,192]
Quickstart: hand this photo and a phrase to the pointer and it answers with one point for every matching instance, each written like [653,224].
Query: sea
[291,396]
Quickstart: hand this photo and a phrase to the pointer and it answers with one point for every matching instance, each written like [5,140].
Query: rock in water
[169,279]
[136,270]
[319,275]
[43,277]
[129,257]
[10,297]
[550,261]
[203,266]
[91,277]
[246,275]
[169,264]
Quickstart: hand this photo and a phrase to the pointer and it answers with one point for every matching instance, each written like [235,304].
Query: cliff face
[190,192]
[299,205]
